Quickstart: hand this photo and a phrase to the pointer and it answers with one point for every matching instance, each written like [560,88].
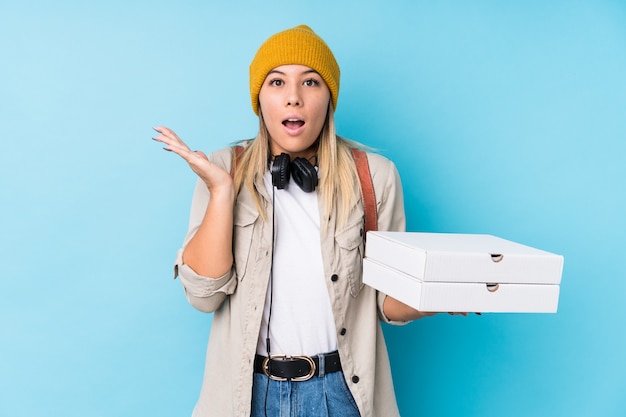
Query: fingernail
[165,149]
[156,128]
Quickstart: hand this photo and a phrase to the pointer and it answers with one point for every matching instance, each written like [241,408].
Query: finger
[162,129]
[167,132]
[191,157]
[202,154]
[172,144]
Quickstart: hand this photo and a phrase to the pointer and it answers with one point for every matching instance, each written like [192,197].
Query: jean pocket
[345,405]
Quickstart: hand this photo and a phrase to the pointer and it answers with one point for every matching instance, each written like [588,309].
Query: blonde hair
[335,162]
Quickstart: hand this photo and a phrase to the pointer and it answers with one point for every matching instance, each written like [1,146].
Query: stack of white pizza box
[447,272]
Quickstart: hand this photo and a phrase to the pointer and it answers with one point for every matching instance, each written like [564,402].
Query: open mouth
[293,123]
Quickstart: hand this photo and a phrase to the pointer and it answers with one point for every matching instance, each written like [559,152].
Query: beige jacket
[237,298]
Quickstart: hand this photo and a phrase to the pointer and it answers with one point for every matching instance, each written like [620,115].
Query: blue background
[503,117]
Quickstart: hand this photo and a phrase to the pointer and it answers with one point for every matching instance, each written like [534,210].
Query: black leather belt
[296,368]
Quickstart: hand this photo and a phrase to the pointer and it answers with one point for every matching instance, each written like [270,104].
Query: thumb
[202,154]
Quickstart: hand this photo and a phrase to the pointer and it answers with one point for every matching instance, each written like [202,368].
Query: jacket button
[361,232]
[343,331]
[334,278]
[355,379]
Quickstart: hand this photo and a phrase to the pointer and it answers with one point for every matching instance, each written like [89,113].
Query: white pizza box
[462,272]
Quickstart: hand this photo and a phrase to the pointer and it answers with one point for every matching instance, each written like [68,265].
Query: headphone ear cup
[280,171]
[304,174]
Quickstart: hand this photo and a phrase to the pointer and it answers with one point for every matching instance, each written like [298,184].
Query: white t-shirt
[302,319]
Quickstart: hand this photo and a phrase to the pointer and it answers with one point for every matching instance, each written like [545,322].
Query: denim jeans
[326,396]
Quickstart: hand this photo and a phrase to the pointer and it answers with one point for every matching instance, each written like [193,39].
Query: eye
[311,82]
[276,82]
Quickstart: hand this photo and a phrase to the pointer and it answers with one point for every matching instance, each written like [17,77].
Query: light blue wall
[504,117]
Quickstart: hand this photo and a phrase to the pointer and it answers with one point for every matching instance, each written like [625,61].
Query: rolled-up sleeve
[204,293]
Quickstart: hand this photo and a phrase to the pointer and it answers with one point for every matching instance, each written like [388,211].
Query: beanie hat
[295,46]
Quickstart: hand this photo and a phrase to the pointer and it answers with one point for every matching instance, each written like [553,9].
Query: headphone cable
[269,317]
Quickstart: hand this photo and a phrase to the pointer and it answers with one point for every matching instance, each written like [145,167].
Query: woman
[296,292]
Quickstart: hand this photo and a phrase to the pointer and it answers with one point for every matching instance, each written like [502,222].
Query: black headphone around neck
[304,173]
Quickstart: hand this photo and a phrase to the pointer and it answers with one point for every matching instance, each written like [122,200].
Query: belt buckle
[265,366]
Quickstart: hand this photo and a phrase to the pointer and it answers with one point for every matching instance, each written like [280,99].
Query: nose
[293,98]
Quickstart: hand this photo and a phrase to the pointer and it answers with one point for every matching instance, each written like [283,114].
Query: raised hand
[214,177]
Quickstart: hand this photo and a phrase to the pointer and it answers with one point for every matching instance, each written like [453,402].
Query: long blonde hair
[335,162]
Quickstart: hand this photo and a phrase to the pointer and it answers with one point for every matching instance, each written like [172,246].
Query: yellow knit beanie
[295,46]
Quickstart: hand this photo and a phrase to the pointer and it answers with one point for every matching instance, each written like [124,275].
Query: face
[294,101]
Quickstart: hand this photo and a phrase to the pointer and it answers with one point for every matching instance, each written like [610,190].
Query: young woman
[275,247]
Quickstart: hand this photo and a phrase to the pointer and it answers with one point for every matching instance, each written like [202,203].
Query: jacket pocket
[244,220]
[350,246]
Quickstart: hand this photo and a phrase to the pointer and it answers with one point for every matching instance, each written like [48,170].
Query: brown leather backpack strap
[367,190]
[237,151]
